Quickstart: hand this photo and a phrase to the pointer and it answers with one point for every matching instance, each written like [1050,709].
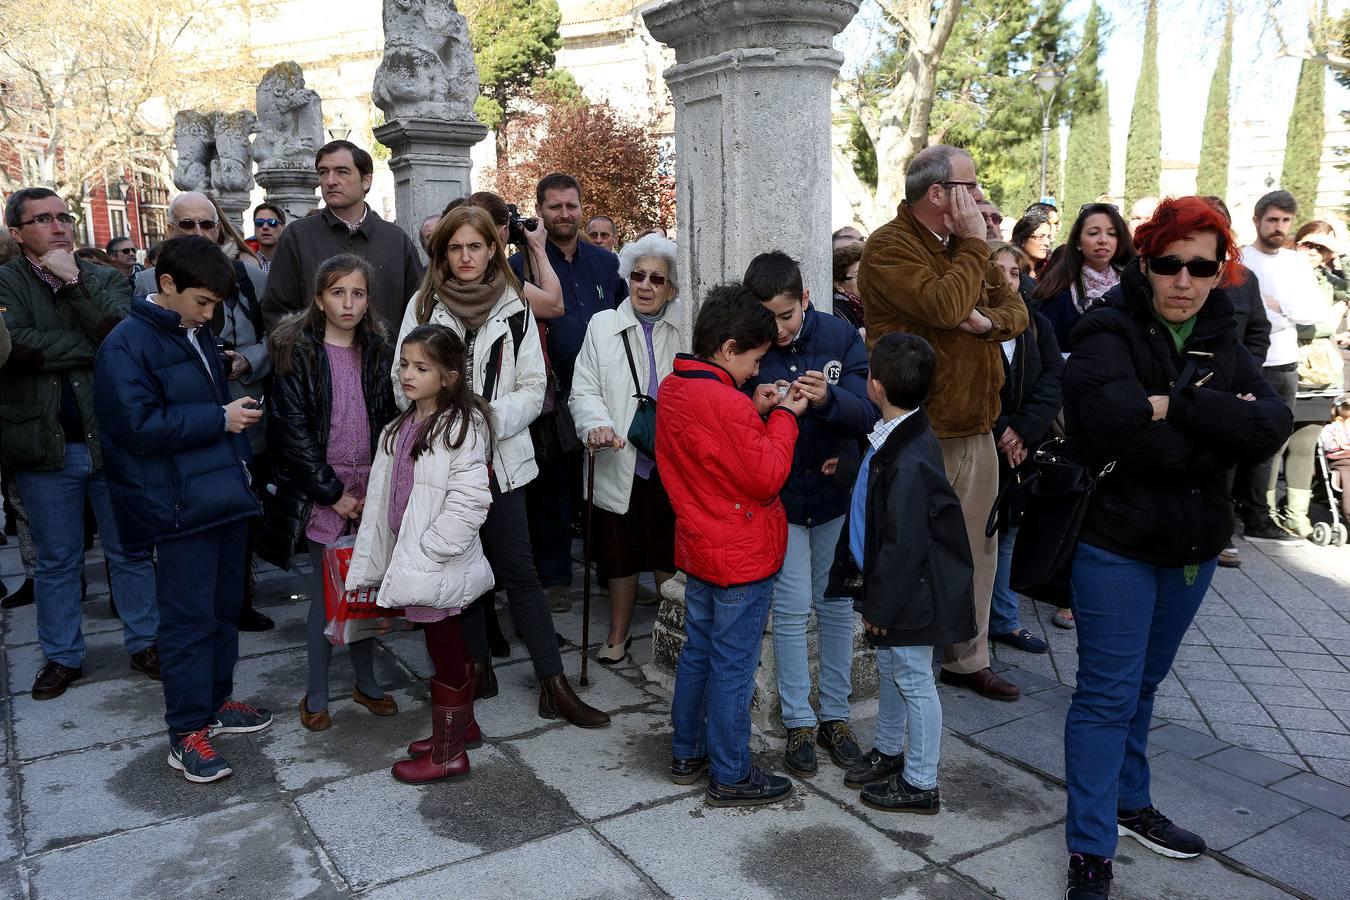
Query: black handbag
[1055,495]
[642,430]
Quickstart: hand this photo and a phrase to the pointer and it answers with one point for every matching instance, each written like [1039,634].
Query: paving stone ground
[1252,753]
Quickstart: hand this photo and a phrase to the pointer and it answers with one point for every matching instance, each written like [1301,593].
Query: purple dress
[348,440]
[400,489]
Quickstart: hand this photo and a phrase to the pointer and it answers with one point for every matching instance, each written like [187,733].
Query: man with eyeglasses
[58,310]
[603,233]
[928,272]
[123,252]
[345,224]
[993,219]
[238,328]
[268,223]
[1292,297]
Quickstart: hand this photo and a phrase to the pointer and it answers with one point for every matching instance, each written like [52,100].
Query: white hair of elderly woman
[651,245]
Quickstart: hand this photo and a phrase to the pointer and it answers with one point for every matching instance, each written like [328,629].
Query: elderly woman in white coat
[626,353]
[470,289]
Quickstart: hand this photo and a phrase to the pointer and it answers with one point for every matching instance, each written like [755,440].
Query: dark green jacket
[51,337]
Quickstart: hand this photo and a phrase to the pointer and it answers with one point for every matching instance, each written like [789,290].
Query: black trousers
[506,543]
[1253,481]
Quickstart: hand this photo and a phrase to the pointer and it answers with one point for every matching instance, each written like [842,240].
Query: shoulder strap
[253,309]
[632,366]
[516,325]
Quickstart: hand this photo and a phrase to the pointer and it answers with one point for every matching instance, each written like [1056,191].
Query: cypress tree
[1212,177]
[1087,167]
[1143,151]
[1303,142]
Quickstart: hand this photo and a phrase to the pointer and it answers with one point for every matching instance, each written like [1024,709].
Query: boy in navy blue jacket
[824,358]
[175,456]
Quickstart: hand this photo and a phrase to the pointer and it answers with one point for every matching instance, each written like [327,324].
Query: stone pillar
[291,189]
[234,204]
[431,165]
[751,85]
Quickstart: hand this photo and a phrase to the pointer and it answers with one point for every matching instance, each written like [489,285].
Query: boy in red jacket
[728,457]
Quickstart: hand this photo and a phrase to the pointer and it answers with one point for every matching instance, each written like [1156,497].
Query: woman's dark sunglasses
[1171,265]
[656,280]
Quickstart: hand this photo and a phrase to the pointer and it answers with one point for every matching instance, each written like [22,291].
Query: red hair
[1176,219]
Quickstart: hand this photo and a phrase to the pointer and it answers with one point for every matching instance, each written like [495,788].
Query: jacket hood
[157,316]
[1134,297]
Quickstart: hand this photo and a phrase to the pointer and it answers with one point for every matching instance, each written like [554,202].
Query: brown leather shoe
[556,698]
[147,661]
[484,680]
[984,682]
[382,706]
[319,721]
[53,679]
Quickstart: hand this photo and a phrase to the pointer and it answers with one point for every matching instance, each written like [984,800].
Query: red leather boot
[473,735]
[451,710]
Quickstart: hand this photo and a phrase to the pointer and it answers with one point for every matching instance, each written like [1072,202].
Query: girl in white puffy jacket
[427,499]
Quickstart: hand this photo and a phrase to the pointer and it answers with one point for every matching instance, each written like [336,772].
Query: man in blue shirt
[590,283]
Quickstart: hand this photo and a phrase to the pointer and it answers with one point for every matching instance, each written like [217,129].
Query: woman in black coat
[1164,400]
[1097,249]
[1028,404]
[322,439]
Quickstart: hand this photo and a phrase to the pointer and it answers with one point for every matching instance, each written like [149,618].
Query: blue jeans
[715,678]
[1004,614]
[800,586]
[908,696]
[54,502]
[1131,617]
[201,590]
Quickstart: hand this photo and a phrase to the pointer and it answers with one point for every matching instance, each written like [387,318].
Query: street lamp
[1047,79]
[339,130]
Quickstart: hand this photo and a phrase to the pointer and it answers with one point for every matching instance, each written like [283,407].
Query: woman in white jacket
[427,499]
[470,289]
[626,353]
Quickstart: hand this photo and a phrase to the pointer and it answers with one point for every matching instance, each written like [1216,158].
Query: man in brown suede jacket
[927,272]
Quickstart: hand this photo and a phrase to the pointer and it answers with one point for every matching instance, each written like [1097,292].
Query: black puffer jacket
[299,417]
[1167,501]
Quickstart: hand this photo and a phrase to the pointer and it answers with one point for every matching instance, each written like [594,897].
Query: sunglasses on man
[1171,265]
[128,251]
[194,224]
[266,223]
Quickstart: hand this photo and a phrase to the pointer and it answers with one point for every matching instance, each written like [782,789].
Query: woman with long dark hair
[1033,236]
[470,289]
[1097,250]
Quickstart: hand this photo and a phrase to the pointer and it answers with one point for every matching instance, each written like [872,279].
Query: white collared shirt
[883,429]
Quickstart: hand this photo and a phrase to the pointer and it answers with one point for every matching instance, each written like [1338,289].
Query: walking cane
[586,562]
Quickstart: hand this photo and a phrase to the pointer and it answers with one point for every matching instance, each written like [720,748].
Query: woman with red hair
[1163,398]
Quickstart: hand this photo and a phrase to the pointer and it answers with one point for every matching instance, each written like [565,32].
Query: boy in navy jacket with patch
[824,358]
[175,456]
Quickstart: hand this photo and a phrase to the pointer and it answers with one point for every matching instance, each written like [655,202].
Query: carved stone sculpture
[290,120]
[232,168]
[427,70]
[192,137]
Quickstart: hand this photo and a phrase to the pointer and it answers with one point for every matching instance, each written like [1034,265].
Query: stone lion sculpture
[193,138]
[232,168]
[290,120]
[428,69]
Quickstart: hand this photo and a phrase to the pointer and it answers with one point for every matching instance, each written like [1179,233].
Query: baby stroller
[1333,532]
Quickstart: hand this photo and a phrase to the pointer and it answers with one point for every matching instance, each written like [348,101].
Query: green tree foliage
[1303,141]
[1088,163]
[1143,150]
[1307,120]
[1212,177]
[514,45]
[987,103]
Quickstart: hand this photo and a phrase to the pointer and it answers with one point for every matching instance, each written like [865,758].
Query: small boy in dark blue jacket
[908,537]
[175,454]
[824,358]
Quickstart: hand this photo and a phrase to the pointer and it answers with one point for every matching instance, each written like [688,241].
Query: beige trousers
[972,468]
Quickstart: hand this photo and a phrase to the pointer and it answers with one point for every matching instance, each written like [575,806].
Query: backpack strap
[516,326]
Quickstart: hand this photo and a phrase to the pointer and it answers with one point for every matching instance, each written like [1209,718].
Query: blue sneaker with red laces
[234,717]
[193,755]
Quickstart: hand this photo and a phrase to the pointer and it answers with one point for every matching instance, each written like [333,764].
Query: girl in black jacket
[1164,400]
[331,398]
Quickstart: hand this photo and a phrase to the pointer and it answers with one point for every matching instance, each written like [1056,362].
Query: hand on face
[964,221]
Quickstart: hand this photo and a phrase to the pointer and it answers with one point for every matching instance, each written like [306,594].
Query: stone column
[751,85]
[431,165]
[234,203]
[291,189]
